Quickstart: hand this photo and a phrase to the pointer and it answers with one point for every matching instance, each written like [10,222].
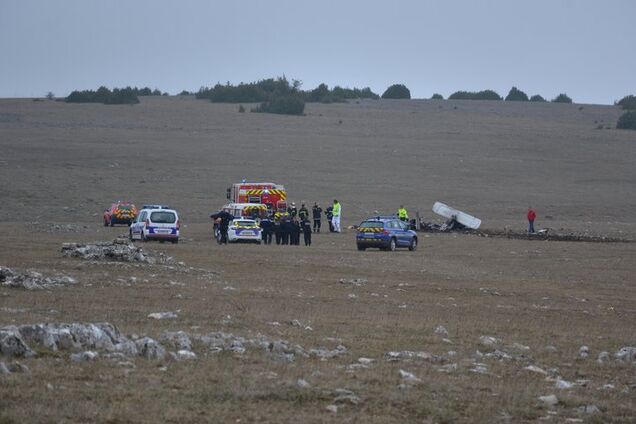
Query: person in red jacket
[531,217]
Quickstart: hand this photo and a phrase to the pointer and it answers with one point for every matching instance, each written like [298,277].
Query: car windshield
[163,217]
[372,224]
[245,223]
[125,207]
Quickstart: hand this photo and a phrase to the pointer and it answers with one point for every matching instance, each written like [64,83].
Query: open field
[61,165]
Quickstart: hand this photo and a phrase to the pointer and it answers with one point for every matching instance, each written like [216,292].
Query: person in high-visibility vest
[403,215]
[337,209]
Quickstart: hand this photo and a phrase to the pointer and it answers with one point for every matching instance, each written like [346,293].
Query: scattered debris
[549,400]
[603,357]
[332,408]
[120,250]
[588,409]
[535,369]
[302,384]
[32,280]
[407,355]
[626,353]
[354,281]
[584,351]
[163,315]
[440,330]
[489,341]
[89,355]
[562,384]
[409,377]
[346,396]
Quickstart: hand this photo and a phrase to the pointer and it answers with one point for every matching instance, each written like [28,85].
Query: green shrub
[627,121]
[185,93]
[397,91]
[628,102]
[537,98]
[480,95]
[117,96]
[516,95]
[283,105]
[437,96]
[50,95]
[562,98]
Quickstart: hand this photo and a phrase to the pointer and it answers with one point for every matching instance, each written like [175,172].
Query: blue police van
[386,233]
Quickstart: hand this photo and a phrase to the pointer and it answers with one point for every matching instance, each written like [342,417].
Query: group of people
[285,227]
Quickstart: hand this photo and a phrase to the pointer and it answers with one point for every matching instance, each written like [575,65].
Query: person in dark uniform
[307,232]
[285,229]
[329,215]
[316,212]
[278,233]
[303,213]
[266,227]
[225,218]
[295,232]
[292,211]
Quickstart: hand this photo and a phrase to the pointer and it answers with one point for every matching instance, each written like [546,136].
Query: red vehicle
[272,195]
[120,213]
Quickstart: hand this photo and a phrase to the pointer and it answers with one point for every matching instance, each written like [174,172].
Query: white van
[156,223]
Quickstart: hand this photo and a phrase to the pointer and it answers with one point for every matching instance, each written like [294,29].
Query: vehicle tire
[361,247]
[392,245]
[413,245]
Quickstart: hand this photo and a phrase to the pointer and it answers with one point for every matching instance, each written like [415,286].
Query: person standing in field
[329,216]
[532,215]
[337,210]
[316,212]
[303,213]
[402,214]
[306,225]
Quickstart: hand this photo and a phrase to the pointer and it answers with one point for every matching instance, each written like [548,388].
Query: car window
[403,225]
[371,224]
[142,216]
[161,217]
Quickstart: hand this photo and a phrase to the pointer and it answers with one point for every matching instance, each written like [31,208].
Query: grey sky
[584,48]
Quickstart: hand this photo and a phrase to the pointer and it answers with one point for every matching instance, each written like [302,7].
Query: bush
[562,98]
[241,109]
[516,95]
[185,93]
[627,121]
[322,94]
[397,91]
[437,97]
[537,98]
[284,105]
[628,102]
[480,95]
[50,95]
[117,96]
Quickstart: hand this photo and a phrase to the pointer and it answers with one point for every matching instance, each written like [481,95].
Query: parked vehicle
[273,196]
[120,213]
[386,233]
[156,224]
[244,230]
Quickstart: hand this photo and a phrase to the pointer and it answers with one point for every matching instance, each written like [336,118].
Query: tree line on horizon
[278,95]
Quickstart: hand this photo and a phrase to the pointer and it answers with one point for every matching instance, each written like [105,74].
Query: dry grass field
[62,164]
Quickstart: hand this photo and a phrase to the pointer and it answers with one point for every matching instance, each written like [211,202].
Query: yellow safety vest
[336,209]
[402,214]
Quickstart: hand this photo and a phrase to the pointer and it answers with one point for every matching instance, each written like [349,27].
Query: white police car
[155,222]
[244,230]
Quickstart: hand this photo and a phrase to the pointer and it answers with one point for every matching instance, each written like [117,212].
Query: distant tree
[628,102]
[50,95]
[241,109]
[516,95]
[437,96]
[562,98]
[537,98]
[185,93]
[480,95]
[397,91]
[627,121]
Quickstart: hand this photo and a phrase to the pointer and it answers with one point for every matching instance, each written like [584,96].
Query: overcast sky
[584,48]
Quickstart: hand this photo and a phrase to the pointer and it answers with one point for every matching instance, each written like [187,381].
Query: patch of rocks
[118,250]
[31,280]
